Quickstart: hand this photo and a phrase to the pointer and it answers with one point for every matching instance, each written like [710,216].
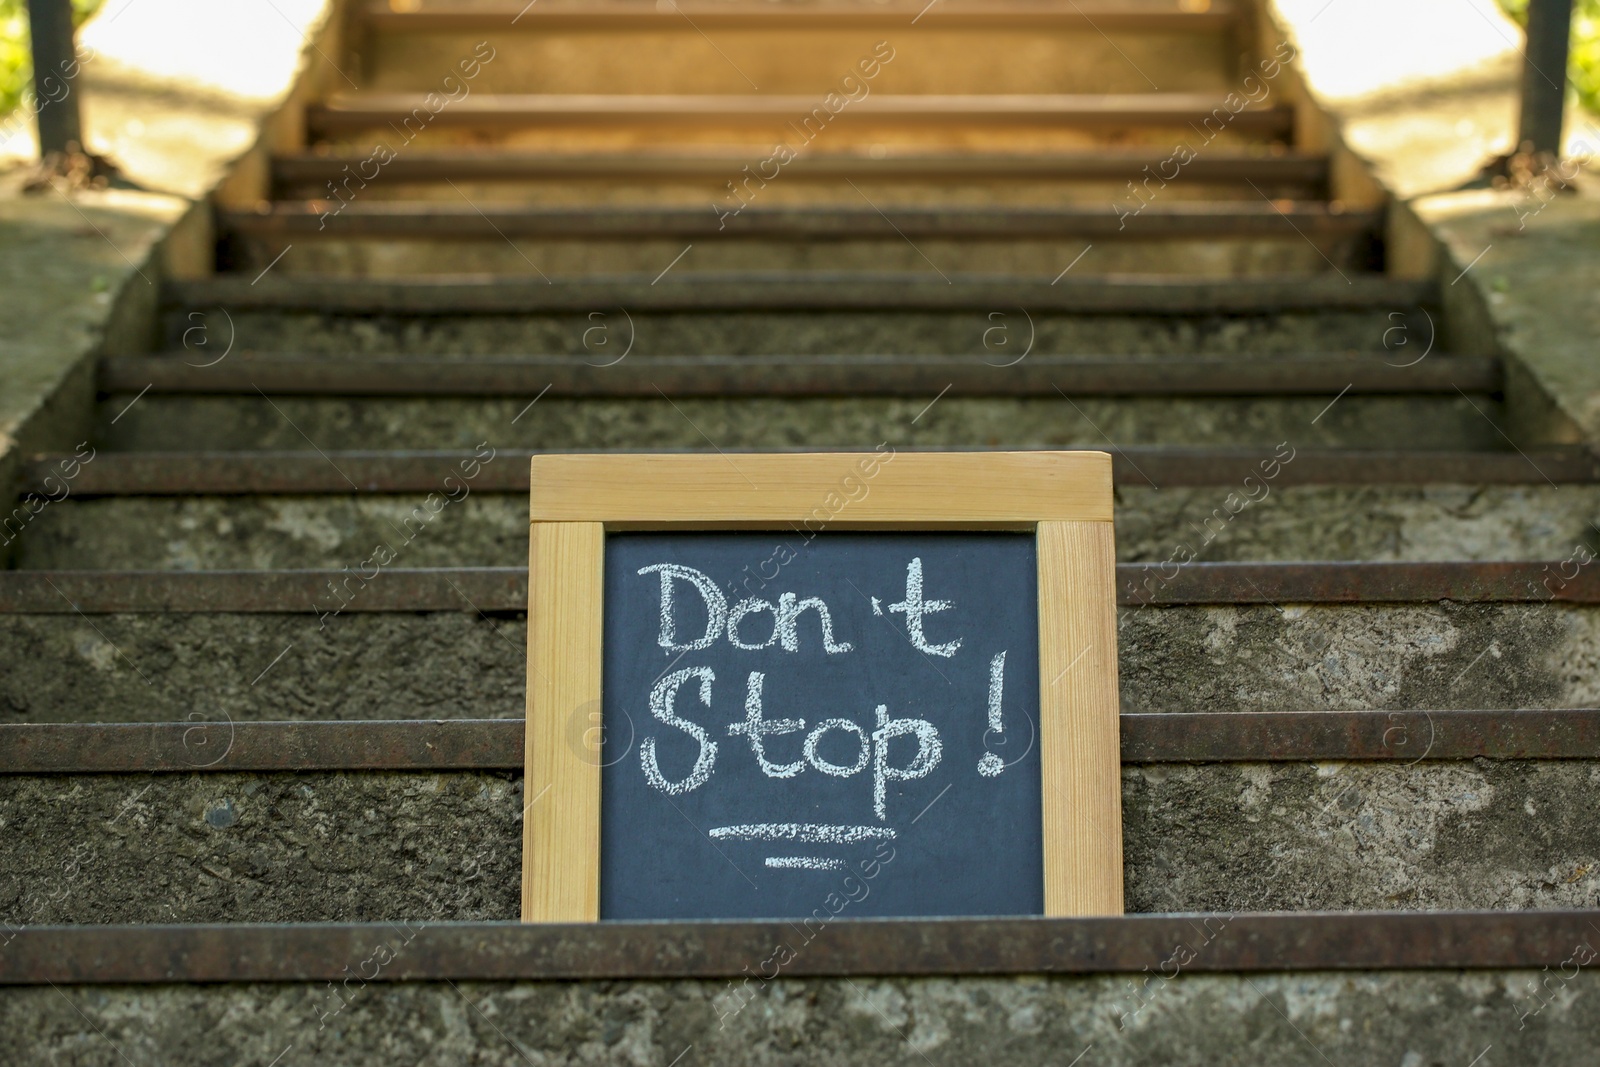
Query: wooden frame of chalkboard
[1063,498]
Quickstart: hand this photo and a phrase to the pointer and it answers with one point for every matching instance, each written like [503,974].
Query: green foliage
[1583,66]
[16,66]
[1586,53]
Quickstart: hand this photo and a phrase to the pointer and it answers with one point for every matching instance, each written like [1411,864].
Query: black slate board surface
[884,765]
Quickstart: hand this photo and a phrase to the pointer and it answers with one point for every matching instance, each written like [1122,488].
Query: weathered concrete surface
[212,533]
[877,247]
[389,846]
[1290,656]
[1434,835]
[224,423]
[950,57]
[446,665]
[169,667]
[71,258]
[1416,1019]
[260,848]
[154,98]
[1434,522]
[1438,522]
[1537,277]
[1001,334]
[799,187]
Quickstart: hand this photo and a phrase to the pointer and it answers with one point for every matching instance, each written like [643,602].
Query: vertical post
[1544,76]
[55,66]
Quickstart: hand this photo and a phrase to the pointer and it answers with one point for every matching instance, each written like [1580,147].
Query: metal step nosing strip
[1302,169]
[505,589]
[497,744]
[759,376]
[867,293]
[510,951]
[409,221]
[360,473]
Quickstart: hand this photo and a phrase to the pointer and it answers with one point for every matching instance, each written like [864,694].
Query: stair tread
[488,219]
[498,744]
[356,110]
[1151,15]
[482,163]
[376,471]
[1281,941]
[679,376]
[504,589]
[487,293]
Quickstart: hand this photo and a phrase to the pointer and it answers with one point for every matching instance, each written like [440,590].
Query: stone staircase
[1358,622]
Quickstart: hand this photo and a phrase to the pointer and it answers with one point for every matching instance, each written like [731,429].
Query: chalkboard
[840,725]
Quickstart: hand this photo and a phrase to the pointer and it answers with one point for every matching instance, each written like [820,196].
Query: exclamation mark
[991,765]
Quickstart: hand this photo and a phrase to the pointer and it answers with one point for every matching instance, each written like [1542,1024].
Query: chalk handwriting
[784,747]
[915,607]
[785,614]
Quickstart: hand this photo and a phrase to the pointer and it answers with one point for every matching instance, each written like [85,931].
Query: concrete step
[176,423]
[1201,239]
[462,745]
[1431,989]
[313,847]
[774,127]
[1248,374]
[603,329]
[428,219]
[1288,255]
[197,510]
[461,653]
[806,49]
[774,313]
[484,529]
[818,178]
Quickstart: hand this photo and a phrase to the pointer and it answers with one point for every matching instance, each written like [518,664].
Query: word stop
[872,748]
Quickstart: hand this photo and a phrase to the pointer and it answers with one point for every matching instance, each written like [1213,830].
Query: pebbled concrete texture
[217,533]
[1433,522]
[208,668]
[876,247]
[1416,1019]
[939,58]
[798,187]
[1436,522]
[1000,334]
[1327,837]
[1537,275]
[1297,656]
[261,848]
[446,665]
[287,423]
[209,847]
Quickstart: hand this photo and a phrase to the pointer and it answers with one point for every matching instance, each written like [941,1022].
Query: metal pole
[1544,76]
[55,66]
